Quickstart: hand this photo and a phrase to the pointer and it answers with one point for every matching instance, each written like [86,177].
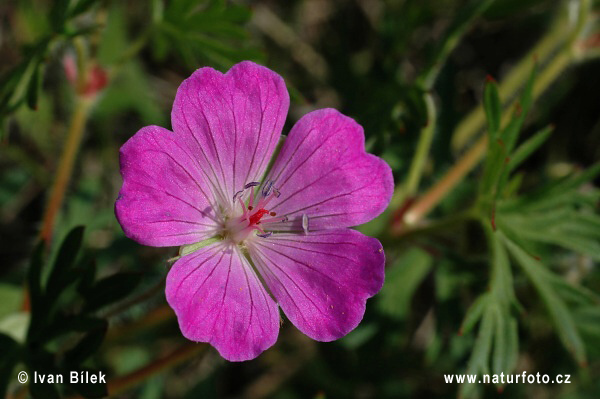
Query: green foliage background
[498,273]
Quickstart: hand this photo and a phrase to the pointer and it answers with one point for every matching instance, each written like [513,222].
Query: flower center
[239,227]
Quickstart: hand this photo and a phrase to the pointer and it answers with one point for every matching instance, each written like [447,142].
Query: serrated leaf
[559,312]
[110,290]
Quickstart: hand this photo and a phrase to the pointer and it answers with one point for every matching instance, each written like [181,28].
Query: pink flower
[280,235]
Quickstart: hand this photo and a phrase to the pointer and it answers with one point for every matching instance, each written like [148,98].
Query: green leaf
[451,37]
[110,290]
[402,280]
[480,356]
[34,88]
[63,324]
[11,299]
[88,345]
[528,147]
[499,358]
[59,14]
[492,107]
[561,316]
[474,313]
[511,132]
[80,7]
[62,273]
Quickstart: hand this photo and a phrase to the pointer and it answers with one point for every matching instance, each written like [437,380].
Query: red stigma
[255,219]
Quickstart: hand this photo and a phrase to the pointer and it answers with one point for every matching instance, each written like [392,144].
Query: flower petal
[324,172]
[219,299]
[235,120]
[321,280]
[164,200]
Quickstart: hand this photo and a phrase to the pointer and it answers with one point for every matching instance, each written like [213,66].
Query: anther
[265,235]
[305,223]
[252,184]
[266,191]
[250,207]
[236,195]
[273,213]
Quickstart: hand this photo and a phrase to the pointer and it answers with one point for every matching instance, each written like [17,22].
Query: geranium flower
[280,235]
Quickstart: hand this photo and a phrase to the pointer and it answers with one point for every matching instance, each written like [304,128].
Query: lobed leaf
[559,312]
[492,107]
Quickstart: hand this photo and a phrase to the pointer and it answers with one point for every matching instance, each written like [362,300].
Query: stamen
[265,235]
[237,195]
[266,191]
[305,223]
[274,220]
[252,184]
[243,208]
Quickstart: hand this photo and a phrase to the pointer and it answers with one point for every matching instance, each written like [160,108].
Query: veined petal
[321,280]
[218,299]
[164,200]
[234,119]
[324,172]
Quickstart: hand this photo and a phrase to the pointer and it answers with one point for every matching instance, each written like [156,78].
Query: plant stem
[425,139]
[560,40]
[128,381]
[436,193]
[65,167]
[558,55]
[178,356]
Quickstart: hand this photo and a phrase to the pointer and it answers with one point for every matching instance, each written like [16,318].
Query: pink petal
[219,299]
[321,280]
[324,172]
[164,200]
[234,119]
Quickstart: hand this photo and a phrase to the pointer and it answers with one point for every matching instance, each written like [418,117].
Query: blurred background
[79,77]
